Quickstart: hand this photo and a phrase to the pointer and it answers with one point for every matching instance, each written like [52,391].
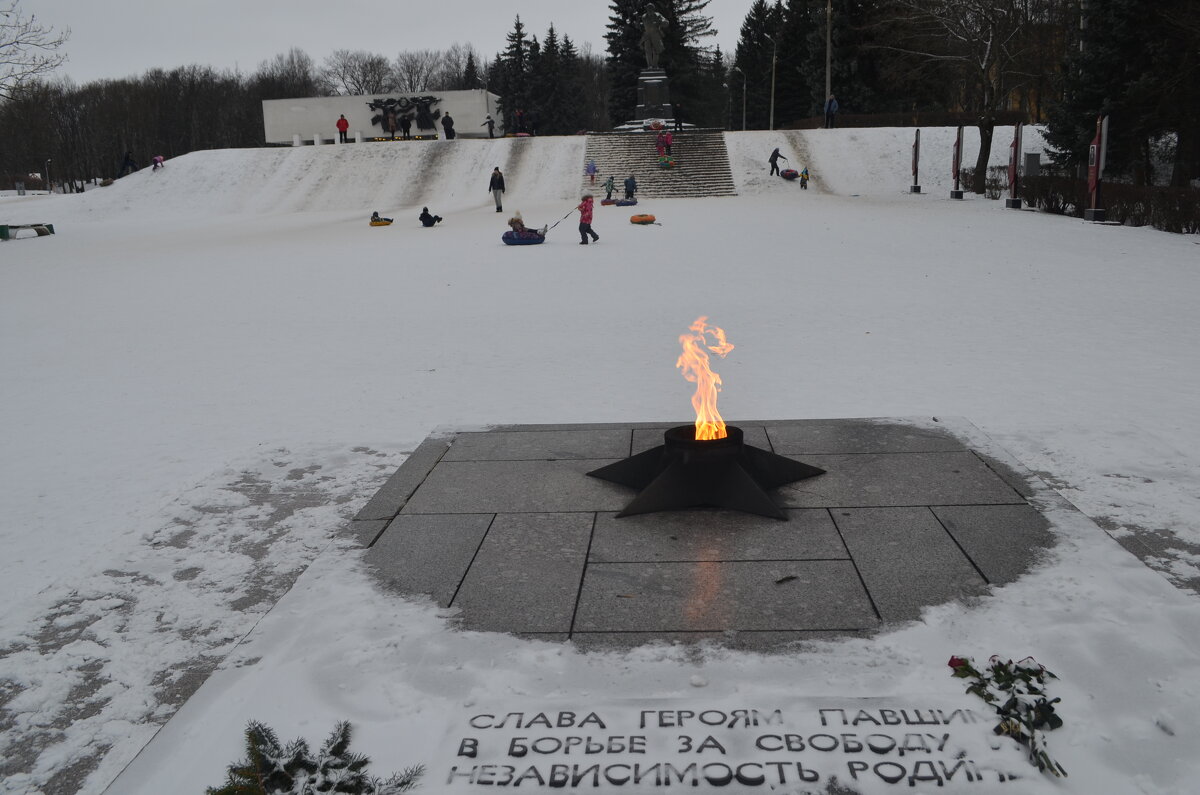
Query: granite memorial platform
[505,525]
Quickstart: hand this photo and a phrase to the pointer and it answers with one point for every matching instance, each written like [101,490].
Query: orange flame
[694,363]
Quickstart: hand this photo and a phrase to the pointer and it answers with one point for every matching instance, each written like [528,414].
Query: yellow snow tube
[642,218]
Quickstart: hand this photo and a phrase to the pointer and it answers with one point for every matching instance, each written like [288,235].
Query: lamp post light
[47,176]
[743,74]
[774,50]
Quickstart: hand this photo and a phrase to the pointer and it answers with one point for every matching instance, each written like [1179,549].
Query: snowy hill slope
[446,175]
[453,175]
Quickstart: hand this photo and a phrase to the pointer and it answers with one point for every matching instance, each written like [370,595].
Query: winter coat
[774,158]
[585,210]
[831,105]
[591,168]
[343,125]
[497,182]
[630,185]
[608,185]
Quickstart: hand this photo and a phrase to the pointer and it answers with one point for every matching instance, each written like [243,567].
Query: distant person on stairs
[496,186]
[608,188]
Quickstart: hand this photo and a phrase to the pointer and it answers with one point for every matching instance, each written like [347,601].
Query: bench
[6,230]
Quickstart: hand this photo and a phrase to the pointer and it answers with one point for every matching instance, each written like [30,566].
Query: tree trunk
[987,126]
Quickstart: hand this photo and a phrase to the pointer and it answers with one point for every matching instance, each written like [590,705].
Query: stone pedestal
[914,189]
[1095,216]
[654,97]
[956,194]
[1012,204]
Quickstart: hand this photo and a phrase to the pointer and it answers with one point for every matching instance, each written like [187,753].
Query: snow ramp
[384,176]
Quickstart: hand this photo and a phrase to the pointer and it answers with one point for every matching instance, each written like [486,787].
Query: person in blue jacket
[630,187]
[831,109]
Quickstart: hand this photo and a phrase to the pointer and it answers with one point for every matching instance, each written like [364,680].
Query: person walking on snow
[496,186]
[490,123]
[448,126]
[774,161]
[342,127]
[590,170]
[804,178]
[630,187]
[608,188]
[585,220]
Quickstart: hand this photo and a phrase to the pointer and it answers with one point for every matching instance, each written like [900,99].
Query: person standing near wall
[448,126]
[496,186]
[342,127]
[490,123]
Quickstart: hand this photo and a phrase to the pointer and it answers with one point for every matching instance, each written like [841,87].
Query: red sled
[789,173]
[608,201]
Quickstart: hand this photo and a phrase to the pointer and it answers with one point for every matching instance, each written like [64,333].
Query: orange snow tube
[643,218]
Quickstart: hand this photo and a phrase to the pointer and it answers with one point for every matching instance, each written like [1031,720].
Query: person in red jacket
[342,126]
[585,220]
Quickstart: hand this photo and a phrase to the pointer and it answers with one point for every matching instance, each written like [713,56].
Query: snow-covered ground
[209,368]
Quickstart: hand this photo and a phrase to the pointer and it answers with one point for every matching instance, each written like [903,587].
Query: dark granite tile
[763,642]
[899,479]
[428,554]
[714,597]
[539,445]
[907,559]
[365,533]
[715,535]
[1003,541]
[517,487]
[858,436]
[526,575]
[394,493]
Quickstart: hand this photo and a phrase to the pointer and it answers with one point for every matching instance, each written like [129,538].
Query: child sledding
[521,235]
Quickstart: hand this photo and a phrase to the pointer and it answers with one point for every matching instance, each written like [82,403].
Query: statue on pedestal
[652,37]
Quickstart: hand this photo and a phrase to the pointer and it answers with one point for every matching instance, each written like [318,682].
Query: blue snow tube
[626,202]
[511,238]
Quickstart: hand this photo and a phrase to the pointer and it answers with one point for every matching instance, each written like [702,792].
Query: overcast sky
[122,38]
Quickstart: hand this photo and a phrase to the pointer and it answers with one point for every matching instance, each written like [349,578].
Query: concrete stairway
[701,164]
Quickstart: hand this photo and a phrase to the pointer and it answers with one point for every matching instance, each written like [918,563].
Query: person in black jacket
[448,126]
[427,219]
[774,161]
[496,186]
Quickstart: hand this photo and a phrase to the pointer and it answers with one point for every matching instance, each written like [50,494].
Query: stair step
[702,164]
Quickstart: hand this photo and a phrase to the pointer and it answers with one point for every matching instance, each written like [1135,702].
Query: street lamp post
[828,48]
[47,175]
[774,50]
[743,74]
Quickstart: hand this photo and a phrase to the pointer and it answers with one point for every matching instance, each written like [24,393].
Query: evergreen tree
[471,78]
[513,75]
[753,58]
[1137,63]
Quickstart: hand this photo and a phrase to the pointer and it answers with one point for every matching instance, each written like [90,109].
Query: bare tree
[982,39]
[449,74]
[414,70]
[27,48]
[358,72]
[290,74]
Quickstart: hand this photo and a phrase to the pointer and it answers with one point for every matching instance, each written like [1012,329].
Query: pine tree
[753,58]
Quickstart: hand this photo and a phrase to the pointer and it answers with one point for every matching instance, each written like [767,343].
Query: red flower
[958,662]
